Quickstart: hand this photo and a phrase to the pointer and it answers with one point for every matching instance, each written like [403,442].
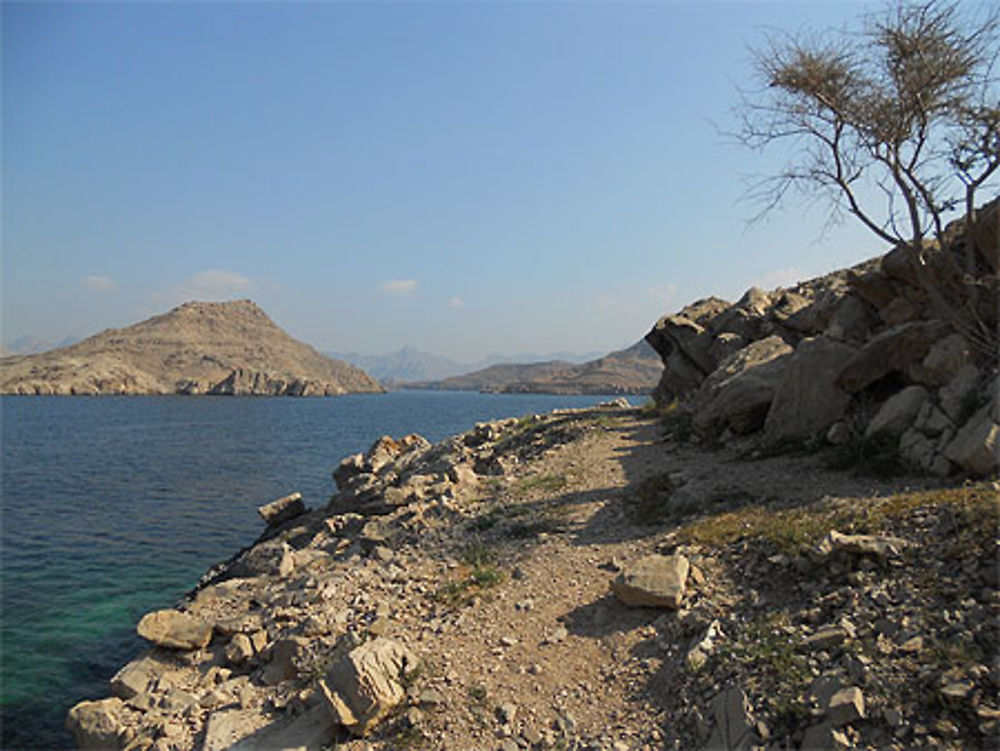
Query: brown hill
[634,370]
[196,348]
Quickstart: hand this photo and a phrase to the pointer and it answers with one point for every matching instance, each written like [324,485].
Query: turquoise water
[114,506]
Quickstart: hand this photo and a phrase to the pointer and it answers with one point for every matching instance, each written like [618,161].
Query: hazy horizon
[465,179]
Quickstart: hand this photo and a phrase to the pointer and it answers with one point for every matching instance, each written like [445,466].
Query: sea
[115,506]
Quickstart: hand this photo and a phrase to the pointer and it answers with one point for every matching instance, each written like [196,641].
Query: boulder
[680,377]
[285,656]
[974,448]
[852,320]
[313,730]
[931,420]
[726,344]
[956,395]
[654,581]
[225,729]
[919,450]
[134,679]
[739,393]
[97,724]
[943,361]
[872,286]
[348,468]
[747,317]
[898,413]
[175,630]
[679,335]
[807,402]
[239,650]
[893,350]
[364,686]
[280,511]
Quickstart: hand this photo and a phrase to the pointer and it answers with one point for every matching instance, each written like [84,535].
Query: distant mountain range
[196,348]
[635,370]
[28,345]
[411,365]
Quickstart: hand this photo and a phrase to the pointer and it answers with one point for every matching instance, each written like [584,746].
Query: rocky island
[634,370]
[793,548]
[228,348]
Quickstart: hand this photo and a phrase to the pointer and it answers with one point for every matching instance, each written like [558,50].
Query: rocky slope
[894,359]
[634,370]
[583,580]
[196,348]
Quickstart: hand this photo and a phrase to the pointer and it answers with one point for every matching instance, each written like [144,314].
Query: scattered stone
[364,686]
[976,445]
[134,679]
[824,737]
[733,728]
[654,581]
[826,638]
[507,713]
[846,706]
[282,510]
[175,630]
[283,663]
[875,545]
[226,727]
[698,653]
[239,650]
[97,725]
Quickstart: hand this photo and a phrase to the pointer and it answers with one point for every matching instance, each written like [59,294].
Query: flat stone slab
[280,511]
[175,630]
[656,581]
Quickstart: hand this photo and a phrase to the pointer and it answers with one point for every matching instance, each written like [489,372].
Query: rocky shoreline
[585,579]
[795,547]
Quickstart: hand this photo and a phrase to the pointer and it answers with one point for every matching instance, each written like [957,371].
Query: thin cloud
[613,304]
[99,283]
[662,293]
[781,278]
[211,285]
[456,302]
[399,286]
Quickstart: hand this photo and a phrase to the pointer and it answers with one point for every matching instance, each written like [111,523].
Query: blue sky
[465,177]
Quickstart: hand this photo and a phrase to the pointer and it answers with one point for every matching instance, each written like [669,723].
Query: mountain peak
[196,348]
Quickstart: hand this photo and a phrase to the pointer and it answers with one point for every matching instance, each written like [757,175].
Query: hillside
[403,365]
[196,348]
[635,370]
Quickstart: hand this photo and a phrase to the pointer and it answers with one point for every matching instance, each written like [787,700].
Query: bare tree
[908,106]
[897,124]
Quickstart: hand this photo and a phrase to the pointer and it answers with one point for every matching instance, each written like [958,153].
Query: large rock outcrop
[898,348]
[229,348]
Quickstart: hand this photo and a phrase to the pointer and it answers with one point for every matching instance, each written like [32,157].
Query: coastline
[482,568]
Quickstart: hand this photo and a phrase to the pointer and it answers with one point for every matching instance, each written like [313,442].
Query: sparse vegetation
[477,573]
[648,504]
[541,485]
[677,421]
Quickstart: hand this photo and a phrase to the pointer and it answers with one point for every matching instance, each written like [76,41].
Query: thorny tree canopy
[898,123]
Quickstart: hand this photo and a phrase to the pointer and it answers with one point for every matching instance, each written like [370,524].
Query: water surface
[114,506]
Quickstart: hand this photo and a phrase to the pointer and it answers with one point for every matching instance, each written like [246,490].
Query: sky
[468,178]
